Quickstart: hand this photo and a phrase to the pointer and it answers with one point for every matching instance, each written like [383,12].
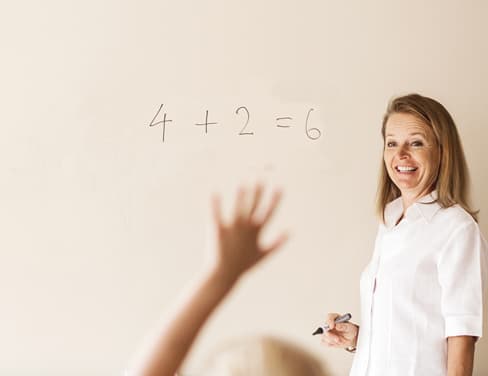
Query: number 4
[164,121]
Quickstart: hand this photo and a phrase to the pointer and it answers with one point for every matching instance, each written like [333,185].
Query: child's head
[263,356]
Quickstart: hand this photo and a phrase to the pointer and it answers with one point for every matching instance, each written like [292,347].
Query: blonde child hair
[263,356]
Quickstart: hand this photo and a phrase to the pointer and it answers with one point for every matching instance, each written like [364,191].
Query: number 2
[242,133]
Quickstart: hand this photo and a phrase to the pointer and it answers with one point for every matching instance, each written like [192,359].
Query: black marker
[343,318]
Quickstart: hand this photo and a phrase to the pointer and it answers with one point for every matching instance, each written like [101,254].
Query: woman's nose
[403,151]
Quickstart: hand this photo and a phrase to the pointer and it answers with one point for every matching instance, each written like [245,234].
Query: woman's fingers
[330,320]
[339,334]
[343,335]
[332,339]
[335,340]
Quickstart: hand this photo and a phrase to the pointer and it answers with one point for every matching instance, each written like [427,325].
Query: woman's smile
[411,155]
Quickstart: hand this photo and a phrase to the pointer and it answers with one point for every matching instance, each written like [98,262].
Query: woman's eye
[417,143]
[390,144]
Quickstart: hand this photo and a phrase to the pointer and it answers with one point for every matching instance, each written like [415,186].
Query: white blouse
[423,284]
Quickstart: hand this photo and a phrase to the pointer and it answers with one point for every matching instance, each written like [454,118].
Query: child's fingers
[216,209]
[276,244]
[258,192]
[240,204]
[275,200]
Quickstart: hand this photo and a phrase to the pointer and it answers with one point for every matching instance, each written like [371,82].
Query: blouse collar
[425,207]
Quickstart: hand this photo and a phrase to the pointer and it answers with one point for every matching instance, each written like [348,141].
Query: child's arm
[236,250]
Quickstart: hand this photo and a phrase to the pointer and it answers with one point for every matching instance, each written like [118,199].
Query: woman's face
[411,154]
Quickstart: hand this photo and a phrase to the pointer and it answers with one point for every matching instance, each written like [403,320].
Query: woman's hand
[340,335]
[236,243]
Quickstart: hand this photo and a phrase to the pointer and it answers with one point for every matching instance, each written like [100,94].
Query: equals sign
[283,118]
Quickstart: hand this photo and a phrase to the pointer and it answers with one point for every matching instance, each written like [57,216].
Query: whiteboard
[103,221]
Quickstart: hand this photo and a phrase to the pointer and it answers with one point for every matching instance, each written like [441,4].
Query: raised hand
[237,246]
[236,249]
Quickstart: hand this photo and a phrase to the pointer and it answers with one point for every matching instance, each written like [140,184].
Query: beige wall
[102,223]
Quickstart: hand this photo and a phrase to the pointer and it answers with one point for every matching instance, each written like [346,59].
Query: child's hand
[237,245]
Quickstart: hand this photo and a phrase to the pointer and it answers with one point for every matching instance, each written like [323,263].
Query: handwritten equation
[161,119]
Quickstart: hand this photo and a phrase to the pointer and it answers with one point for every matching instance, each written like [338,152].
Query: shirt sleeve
[462,276]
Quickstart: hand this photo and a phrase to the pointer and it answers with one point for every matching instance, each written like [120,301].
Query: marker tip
[318,331]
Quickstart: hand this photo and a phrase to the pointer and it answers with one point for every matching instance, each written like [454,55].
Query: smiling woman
[422,292]
[411,155]
[420,131]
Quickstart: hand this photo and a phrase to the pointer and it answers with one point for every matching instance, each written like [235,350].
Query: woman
[236,249]
[421,293]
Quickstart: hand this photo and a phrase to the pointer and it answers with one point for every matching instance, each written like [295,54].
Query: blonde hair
[263,356]
[452,181]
